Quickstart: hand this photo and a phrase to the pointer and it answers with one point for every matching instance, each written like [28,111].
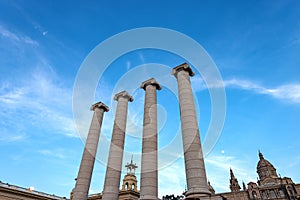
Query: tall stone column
[115,158]
[84,177]
[193,156]
[149,175]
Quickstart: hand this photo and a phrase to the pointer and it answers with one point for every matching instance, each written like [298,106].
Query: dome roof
[266,171]
[263,162]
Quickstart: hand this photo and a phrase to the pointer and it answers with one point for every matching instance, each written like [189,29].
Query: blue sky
[254,44]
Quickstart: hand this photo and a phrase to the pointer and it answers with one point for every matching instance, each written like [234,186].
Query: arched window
[281,193]
[264,195]
[132,186]
[272,194]
[290,190]
[126,186]
[254,194]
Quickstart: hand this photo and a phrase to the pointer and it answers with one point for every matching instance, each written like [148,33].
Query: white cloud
[57,153]
[28,40]
[172,179]
[288,92]
[17,37]
[197,83]
[12,138]
[44,100]
[7,34]
[218,167]
[11,96]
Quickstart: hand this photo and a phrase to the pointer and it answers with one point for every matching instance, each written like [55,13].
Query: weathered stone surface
[115,158]
[194,163]
[149,173]
[84,177]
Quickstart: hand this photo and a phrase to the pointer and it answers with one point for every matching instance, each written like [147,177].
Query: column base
[148,197]
[197,197]
[201,193]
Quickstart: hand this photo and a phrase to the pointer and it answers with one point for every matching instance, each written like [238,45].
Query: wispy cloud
[44,100]
[172,179]
[16,37]
[287,92]
[218,171]
[57,153]
[7,34]
[12,138]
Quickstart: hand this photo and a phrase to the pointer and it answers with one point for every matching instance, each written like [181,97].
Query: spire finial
[231,173]
[131,167]
[260,155]
[234,184]
[244,186]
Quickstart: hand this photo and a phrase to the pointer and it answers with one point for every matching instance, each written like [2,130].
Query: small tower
[129,181]
[244,186]
[210,188]
[266,171]
[234,184]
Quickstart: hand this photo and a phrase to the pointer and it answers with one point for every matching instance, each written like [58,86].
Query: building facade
[129,190]
[268,186]
[13,192]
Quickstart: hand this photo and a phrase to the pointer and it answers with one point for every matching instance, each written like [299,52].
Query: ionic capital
[150,81]
[182,67]
[99,105]
[123,94]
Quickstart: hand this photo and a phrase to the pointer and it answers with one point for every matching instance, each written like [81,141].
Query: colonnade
[193,157]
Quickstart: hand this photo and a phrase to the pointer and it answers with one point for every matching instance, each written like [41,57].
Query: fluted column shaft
[114,165]
[193,156]
[149,173]
[84,177]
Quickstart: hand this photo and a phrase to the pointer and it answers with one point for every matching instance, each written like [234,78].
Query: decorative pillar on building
[83,180]
[114,165]
[149,173]
[193,156]
[129,181]
[234,184]
[210,188]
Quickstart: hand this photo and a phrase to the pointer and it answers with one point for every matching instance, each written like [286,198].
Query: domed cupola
[266,171]
[129,181]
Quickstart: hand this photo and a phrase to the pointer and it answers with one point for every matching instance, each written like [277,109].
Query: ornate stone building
[13,192]
[129,190]
[268,186]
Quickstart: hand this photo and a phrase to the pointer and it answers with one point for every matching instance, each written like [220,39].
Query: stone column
[149,175]
[193,156]
[84,177]
[114,165]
